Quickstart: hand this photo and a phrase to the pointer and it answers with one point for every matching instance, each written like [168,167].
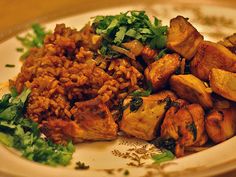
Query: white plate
[115,157]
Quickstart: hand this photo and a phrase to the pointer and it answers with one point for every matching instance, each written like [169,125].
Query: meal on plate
[121,73]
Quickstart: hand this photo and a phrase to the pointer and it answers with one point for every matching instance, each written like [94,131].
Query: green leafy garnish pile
[31,40]
[116,29]
[23,134]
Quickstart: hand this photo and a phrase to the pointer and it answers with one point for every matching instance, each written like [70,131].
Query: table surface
[16,15]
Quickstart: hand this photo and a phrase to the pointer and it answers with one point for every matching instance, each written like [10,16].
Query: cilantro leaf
[128,26]
[166,155]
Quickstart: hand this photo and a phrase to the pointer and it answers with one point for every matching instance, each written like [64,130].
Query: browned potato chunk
[159,72]
[192,89]
[220,125]
[211,55]
[185,124]
[223,83]
[142,121]
[230,43]
[183,38]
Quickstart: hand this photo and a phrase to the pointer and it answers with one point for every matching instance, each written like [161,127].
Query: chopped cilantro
[9,65]
[20,49]
[23,134]
[170,103]
[81,166]
[31,40]
[192,128]
[162,53]
[165,143]
[138,93]
[135,103]
[163,157]
[116,29]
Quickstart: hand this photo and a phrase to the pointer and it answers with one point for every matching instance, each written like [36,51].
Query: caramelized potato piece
[143,121]
[220,124]
[223,83]
[134,47]
[230,43]
[183,38]
[192,89]
[185,124]
[159,72]
[211,55]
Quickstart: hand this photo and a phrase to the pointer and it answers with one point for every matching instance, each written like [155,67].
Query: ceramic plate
[116,157]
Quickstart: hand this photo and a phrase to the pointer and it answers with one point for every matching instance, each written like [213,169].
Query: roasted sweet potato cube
[143,120]
[183,38]
[160,71]
[192,89]
[211,55]
[223,83]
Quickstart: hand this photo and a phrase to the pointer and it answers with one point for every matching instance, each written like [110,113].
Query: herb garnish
[166,143]
[9,65]
[192,128]
[163,157]
[23,134]
[138,93]
[170,103]
[81,166]
[116,29]
[144,93]
[162,53]
[135,103]
[31,40]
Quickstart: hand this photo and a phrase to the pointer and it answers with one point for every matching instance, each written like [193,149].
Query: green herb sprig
[166,155]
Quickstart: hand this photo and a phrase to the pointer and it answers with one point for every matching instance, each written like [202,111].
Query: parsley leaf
[163,157]
[135,103]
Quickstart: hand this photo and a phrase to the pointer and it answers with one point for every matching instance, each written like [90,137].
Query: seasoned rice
[66,70]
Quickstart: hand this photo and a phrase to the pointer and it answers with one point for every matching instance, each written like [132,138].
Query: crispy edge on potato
[223,83]
[220,124]
[192,89]
[160,71]
[211,55]
[183,38]
[144,122]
